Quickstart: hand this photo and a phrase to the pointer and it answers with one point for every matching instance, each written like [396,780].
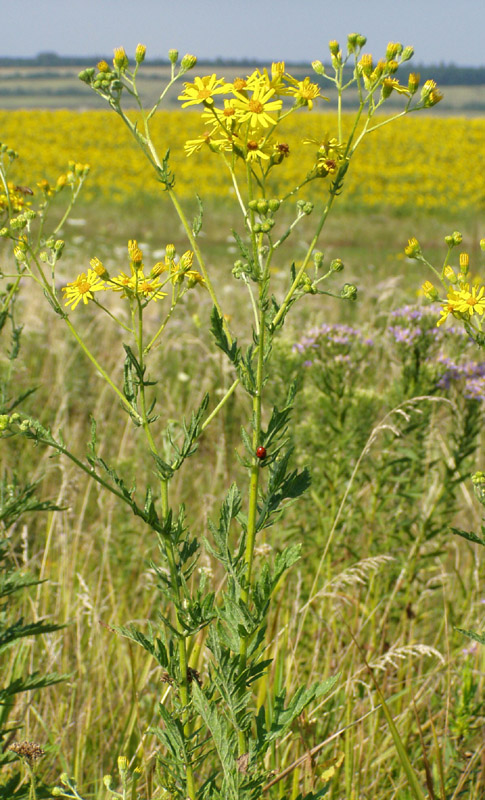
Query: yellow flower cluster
[463,300]
[251,111]
[430,163]
[135,284]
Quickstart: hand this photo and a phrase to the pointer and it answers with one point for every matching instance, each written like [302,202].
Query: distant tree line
[443,74]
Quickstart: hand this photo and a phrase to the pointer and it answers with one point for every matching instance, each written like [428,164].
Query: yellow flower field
[426,161]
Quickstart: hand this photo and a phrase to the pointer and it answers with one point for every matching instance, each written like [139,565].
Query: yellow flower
[450,307]
[202,90]
[137,284]
[256,108]
[82,288]
[471,302]
[254,148]
[305,92]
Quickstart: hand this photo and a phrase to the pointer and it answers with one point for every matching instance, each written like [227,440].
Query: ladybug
[261,452]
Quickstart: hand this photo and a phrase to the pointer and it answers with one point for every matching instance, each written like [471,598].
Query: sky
[263,30]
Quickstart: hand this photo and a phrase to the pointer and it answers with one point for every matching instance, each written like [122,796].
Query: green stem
[170,552]
[200,259]
[304,265]
[127,405]
[253,498]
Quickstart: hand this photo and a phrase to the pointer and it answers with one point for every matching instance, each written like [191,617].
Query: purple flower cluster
[343,344]
[412,323]
[333,341]
[334,337]
[469,375]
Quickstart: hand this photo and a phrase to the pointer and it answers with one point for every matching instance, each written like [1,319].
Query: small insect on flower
[261,452]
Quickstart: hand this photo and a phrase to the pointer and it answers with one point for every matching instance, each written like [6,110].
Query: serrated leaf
[472,537]
[472,635]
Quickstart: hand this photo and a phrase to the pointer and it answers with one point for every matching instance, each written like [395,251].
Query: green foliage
[222,694]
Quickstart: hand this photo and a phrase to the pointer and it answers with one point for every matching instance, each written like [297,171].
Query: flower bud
[122,765]
[170,251]
[86,75]
[4,420]
[274,204]
[103,66]
[107,780]
[334,47]
[392,66]
[188,62]
[57,791]
[318,259]
[457,237]
[434,97]
[4,233]
[318,67]
[430,291]
[482,243]
[413,249]
[413,82]
[120,59]
[140,53]
[393,50]
[352,42]
[348,292]
[365,64]
[186,260]
[337,265]
[361,40]
[387,87]
[19,254]
[407,53]
[449,274]
[262,206]
[464,263]
[99,268]
[134,252]
[173,56]
[478,480]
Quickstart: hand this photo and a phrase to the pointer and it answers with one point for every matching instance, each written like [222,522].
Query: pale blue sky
[291,30]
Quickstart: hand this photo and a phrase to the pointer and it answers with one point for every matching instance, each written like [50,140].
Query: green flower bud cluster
[478,480]
[304,207]
[307,284]
[454,239]
[348,292]
[9,419]
[18,223]
[265,209]
[12,154]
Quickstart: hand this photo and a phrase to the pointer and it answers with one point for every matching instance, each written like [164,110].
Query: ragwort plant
[213,739]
